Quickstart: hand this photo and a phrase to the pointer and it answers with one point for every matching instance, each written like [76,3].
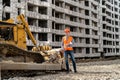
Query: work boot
[67,71]
[75,71]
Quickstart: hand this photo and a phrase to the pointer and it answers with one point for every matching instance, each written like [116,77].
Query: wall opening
[6,2]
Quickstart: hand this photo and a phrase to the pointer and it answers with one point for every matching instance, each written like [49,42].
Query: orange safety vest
[65,42]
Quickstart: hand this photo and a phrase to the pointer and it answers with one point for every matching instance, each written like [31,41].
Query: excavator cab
[6,31]
[12,33]
[15,34]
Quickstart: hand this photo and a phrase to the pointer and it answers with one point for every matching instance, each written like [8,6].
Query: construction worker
[67,43]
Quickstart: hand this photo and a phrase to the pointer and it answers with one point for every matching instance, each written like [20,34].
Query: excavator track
[16,54]
[16,61]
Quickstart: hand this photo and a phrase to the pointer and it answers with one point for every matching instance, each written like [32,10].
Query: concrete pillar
[64,15]
[50,37]
[91,50]
[14,10]
[49,24]
[77,19]
[100,33]
[49,12]
[50,1]
[84,51]
[25,9]
[1,9]
[36,36]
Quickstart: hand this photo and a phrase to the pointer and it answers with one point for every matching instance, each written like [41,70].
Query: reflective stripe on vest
[70,38]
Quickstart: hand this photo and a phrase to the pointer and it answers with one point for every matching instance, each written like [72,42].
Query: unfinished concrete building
[94,24]
[110,27]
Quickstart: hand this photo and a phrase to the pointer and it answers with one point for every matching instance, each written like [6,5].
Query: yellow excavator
[13,41]
[13,49]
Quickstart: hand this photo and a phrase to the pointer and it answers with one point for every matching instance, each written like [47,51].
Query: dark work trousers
[71,54]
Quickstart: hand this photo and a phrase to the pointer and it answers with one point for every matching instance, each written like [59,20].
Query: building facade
[94,24]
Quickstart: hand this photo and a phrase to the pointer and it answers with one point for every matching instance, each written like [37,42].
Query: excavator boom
[21,18]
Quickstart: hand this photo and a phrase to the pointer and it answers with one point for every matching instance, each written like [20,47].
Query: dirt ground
[99,70]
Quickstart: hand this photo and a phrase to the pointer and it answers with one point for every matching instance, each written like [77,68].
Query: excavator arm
[21,18]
